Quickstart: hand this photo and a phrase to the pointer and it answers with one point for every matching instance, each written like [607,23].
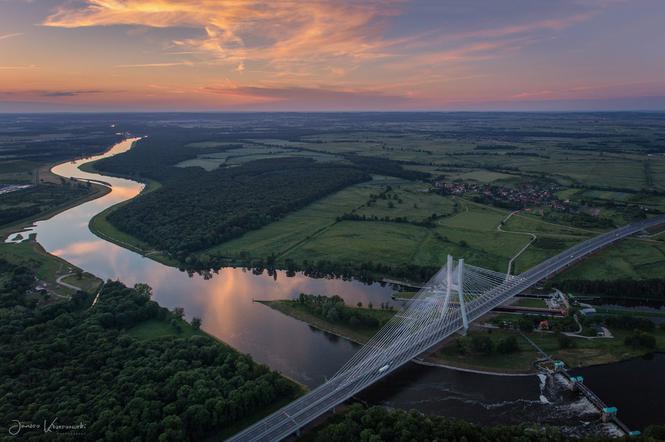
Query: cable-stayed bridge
[457,295]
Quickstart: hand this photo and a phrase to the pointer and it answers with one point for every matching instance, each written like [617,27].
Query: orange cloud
[281,32]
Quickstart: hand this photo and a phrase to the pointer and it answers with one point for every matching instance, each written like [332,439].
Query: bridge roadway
[345,384]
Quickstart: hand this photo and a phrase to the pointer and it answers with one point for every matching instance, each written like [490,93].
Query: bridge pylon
[460,293]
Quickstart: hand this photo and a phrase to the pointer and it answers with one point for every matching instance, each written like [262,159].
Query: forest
[24,203]
[183,217]
[80,365]
[376,424]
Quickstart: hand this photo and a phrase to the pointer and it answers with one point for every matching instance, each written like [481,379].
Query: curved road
[291,418]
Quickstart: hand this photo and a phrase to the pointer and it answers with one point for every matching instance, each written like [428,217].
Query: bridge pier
[575,382]
[608,413]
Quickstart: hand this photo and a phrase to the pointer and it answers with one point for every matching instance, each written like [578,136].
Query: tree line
[187,216]
[377,424]
[334,310]
[618,288]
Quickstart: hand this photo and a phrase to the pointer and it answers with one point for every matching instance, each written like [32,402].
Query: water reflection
[634,386]
[224,302]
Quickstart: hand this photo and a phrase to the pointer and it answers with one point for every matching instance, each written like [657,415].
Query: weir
[427,320]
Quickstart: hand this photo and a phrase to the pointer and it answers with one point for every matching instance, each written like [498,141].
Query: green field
[584,353]
[314,233]
[630,258]
[599,166]
[530,302]
[47,267]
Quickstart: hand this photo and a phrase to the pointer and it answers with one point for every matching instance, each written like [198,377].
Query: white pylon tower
[460,292]
[457,286]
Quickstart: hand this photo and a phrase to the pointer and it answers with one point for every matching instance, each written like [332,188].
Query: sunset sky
[228,55]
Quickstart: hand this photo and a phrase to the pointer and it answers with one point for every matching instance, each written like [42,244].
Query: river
[225,304]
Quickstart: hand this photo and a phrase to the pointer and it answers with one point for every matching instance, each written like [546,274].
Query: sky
[338,55]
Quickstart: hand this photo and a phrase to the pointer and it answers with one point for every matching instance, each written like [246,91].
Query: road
[291,418]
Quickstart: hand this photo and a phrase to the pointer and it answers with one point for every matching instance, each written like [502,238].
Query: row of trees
[333,309]
[377,424]
[618,288]
[483,344]
[80,365]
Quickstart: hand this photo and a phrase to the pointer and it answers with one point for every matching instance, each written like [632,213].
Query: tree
[565,341]
[482,344]
[507,345]
[179,312]
[332,315]
[640,339]
[143,289]
[196,323]
[525,324]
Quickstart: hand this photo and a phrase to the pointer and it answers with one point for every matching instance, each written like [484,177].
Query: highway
[424,325]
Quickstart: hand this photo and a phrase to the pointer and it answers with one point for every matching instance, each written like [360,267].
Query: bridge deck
[399,342]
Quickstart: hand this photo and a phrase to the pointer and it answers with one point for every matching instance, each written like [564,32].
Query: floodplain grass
[627,259]
[279,237]
[412,201]
[314,234]
[530,302]
[585,352]
[87,282]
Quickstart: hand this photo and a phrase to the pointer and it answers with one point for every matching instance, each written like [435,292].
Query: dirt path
[499,228]
[64,284]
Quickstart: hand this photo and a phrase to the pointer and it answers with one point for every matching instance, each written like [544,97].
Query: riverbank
[98,191]
[357,335]
[100,226]
[458,352]
[55,275]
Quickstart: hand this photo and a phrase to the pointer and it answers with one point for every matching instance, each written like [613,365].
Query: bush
[565,341]
[640,339]
[482,344]
[507,345]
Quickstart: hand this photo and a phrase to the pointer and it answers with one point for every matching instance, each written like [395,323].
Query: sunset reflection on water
[224,302]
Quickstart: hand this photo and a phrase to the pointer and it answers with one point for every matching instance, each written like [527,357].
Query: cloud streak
[327,53]
[6,36]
